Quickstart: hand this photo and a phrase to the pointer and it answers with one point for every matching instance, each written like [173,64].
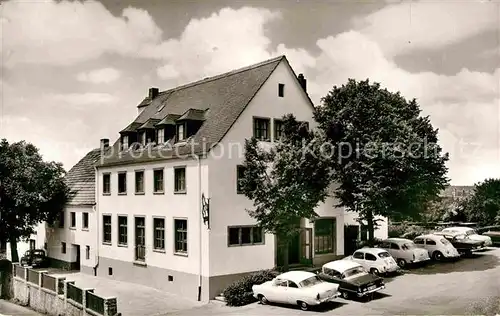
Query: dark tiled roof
[150,124]
[168,120]
[225,95]
[81,179]
[132,127]
[193,114]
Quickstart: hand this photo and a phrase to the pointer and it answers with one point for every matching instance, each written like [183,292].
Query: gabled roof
[168,120]
[150,124]
[224,96]
[193,114]
[132,127]
[81,179]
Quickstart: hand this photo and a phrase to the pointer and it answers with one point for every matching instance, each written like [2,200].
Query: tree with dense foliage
[31,191]
[483,206]
[389,163]
[286,181]
[445,209]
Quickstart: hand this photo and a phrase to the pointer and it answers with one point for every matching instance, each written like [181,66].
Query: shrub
[240,292]
[367,243]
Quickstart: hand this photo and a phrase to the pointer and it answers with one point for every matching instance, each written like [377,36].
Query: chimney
[153,93]
[303,82]
[104,143]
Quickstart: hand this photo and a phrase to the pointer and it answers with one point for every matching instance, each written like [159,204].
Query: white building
[71,242]
[150,198]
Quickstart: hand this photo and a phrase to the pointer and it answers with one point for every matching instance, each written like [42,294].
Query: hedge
[240,292]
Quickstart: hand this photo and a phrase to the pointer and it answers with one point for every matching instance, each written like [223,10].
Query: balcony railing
[140,253]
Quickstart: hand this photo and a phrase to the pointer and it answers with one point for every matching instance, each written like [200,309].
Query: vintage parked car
[493,232]
[375,260]
[471,233]
[437,246]
[35,258]
[461,242]
[300,288]
[404,251]
[352,278]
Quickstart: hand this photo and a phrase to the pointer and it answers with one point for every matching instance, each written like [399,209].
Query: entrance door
[306,245]
[140,239]
[294,250]
[32,244]
[78,257]
[351,233]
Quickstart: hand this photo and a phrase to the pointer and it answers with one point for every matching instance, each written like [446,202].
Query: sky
[73,72]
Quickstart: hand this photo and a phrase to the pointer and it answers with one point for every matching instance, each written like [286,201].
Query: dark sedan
[352,278]
[464,245]
[35,258]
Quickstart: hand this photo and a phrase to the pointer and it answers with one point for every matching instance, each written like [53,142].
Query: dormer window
[160,135]
[181,132]
[143,138]
[125,142]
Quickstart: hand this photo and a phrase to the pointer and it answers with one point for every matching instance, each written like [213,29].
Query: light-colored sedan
[300,288]
[404,251]
[374,260]
[437,246]
[470,233]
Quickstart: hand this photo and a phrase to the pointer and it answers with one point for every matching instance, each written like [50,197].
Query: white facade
[381,232]
[209,258]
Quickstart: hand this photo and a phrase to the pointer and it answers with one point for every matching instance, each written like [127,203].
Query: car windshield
[354,271]
[310,281]
[384,255]
[444,241]
[470,232]
[408,245]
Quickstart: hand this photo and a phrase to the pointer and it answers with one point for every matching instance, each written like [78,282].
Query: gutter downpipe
[200,223]
[96,212]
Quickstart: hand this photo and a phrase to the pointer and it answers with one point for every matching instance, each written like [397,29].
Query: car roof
[341,265]
[296,276]
[374,251]
[458,228]
[397,240]
[430,236]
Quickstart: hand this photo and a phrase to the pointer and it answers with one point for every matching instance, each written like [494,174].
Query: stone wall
[53,298]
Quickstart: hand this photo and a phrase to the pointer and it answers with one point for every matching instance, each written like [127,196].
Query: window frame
[176,189]
[119,231]
[136,244]
[184,128]
[72,220]
[125,144]
[281,90]
[155,237]
[87,252]
[240,233]
[186,232]
[276,123]
[62,219]
[108,176]
[255,120]
[85,220]
[139,171]
[333,240]
[104,225]
[160,132]
[63,247]
[162,191]
[121,173]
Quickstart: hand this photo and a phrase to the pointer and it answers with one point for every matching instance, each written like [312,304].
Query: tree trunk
[370,225]
[285,257]
[13,251]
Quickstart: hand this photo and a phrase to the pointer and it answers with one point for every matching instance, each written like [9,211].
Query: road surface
[11,309]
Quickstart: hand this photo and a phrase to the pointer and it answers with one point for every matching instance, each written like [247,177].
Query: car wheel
[345,295]
[437,255]
[303,305]
[374,271]
[401,263]
[263,300]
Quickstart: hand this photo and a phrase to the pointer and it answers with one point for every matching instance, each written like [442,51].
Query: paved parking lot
[468,286]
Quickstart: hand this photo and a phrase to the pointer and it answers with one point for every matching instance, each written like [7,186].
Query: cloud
[104,75]
[413,25]
[79,99]
[67,32]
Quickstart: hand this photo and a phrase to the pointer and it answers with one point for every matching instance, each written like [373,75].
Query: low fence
[55,295]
